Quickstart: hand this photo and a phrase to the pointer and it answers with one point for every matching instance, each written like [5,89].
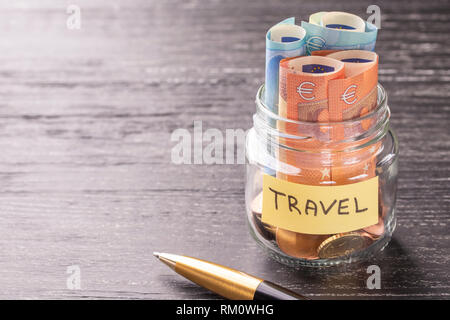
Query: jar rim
[370,127]
[380,108]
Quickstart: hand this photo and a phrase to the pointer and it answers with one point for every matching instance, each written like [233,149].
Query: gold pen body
[224,281]
[227,282]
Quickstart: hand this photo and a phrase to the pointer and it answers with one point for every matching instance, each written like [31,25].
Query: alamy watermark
[74,20]
[73,281]
[375,17]
[211,146]
[374,280]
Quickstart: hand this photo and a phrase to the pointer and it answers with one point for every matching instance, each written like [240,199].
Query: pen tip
[156,254]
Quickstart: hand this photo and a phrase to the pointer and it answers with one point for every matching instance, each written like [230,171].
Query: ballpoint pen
[227,282]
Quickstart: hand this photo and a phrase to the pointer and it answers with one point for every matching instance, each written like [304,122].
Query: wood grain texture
[85,123]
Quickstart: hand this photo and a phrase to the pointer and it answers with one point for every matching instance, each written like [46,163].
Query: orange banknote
[329,88]
[351,98]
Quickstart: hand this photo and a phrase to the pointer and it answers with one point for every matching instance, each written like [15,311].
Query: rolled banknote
[350,98]
[342,21]
[340,86]
[303,96]
[285,39]
[356,94]
[338,31]
[322,53]
[304,81]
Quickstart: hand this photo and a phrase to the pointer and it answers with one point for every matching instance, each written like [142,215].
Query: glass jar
[321,194]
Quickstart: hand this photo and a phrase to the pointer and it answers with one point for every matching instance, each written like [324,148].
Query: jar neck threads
[342,136]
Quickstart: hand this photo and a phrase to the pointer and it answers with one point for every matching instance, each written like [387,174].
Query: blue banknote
[283,40]
[319,37]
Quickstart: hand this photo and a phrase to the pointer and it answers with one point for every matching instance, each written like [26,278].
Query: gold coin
[264,229]
[343,244]
[376,230]
[299,245]
[257,202]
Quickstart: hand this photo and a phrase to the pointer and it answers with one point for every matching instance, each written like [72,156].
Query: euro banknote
[338,31]
[337,87]
[353,97]
[356,94]
[285,39]
[303,96]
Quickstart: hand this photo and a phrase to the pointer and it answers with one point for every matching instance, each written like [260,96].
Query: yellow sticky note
[319,209]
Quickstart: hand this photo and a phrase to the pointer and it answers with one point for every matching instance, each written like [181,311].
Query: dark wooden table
[86,118]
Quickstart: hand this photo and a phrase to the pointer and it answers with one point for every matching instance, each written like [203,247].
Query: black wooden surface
[85,168]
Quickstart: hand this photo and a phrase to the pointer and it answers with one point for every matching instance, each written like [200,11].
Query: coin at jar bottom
[376,230]
[264,229]
[299,245]
[256,205]
[343,244]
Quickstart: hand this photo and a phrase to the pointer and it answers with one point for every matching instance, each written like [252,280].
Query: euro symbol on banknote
[348,95]
[301,90]
[315,43]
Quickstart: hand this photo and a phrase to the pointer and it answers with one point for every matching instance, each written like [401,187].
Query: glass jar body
[367,153]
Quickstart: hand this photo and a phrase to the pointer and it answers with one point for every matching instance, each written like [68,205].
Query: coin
[264,229]
[299,245]
[376,230]
[343,244]
[257,202]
